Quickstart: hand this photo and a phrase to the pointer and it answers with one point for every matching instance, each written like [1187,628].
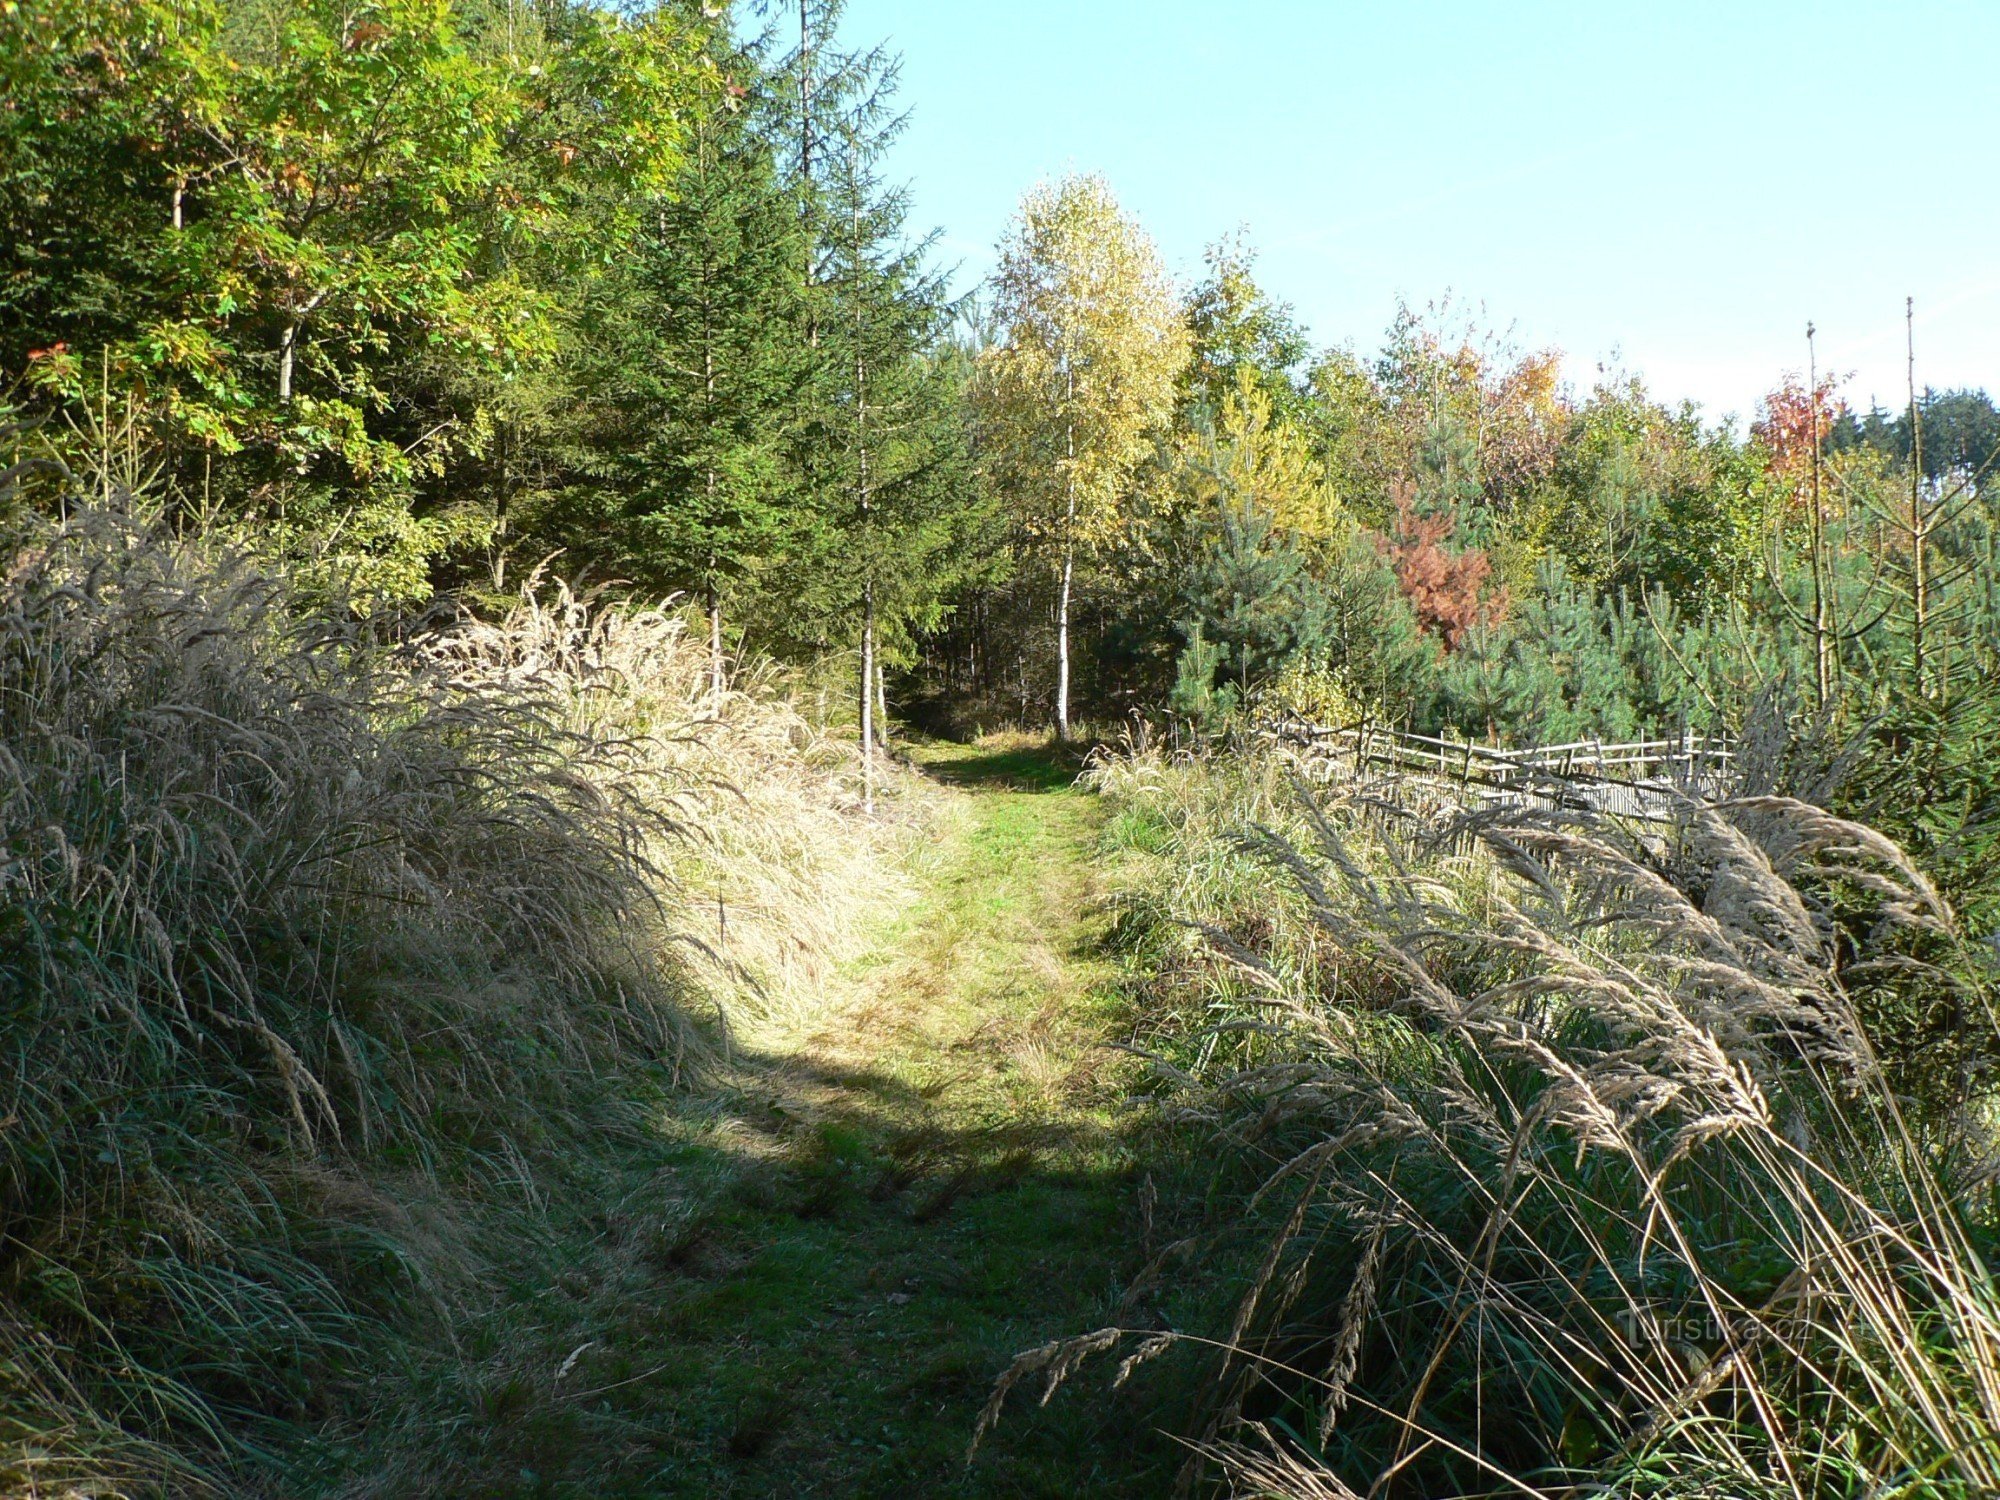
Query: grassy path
[930,1181]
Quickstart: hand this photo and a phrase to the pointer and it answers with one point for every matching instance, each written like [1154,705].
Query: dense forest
[447,442]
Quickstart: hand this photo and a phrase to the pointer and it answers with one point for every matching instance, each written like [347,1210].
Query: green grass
[1021,768]
[939,1181]
[812,1286]
[1520,1118]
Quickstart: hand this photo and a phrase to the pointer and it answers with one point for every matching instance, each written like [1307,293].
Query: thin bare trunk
[717,675]
[869,701]
[1068,552]
[288,343]
[104,426]
[709,484]
[881,703]
[1822,628]
[861,494]
[500,499]
[1062,642]
[1920,593]
[805,91]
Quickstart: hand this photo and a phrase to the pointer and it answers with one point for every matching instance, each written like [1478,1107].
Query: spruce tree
[883,463]
[712,367]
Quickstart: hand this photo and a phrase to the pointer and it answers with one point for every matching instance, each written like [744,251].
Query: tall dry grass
[777,877]
[327,960]
[1580,1172]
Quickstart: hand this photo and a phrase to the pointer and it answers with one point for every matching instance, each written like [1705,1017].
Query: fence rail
[1632,778]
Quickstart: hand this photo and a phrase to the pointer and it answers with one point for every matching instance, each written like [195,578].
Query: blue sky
[1674,187]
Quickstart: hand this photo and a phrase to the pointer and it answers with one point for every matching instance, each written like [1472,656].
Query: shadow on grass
[880,1267]
[812,1292]
[1032,768]
[807,1281]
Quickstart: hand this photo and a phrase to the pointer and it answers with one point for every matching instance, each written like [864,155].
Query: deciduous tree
[1091,340]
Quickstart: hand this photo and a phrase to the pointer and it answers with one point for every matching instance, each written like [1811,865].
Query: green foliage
[404,301]
[338,234]
[883,442]
[1960,430]
[1642,498]
[695,359]
[1248,590]
[1077,384]
[1573,666]
[1379,648]
[1197,694]
[1237,330]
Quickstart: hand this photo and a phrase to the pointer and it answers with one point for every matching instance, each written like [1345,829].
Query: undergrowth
[343,976]
[1568,1144]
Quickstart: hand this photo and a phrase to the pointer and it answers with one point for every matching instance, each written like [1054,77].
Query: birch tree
[1091,340]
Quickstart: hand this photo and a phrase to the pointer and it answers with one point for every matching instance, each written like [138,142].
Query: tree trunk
[882,703]
[1821,583]
[1920,531]
[709,485]
[1062,643]
[500,497]
[805,92]
[868,701]
[288,343]
[1069,552]
[716,675]
[862,495]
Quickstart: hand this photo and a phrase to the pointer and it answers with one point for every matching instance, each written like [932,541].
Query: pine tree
[1250,593]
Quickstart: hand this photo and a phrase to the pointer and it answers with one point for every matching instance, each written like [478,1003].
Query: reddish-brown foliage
[1795,424]
[1449,590]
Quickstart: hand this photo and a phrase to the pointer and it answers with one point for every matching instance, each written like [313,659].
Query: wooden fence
[1634,778]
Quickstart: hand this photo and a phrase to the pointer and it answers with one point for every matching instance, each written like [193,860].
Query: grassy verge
[1570,1146]
[347,982]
